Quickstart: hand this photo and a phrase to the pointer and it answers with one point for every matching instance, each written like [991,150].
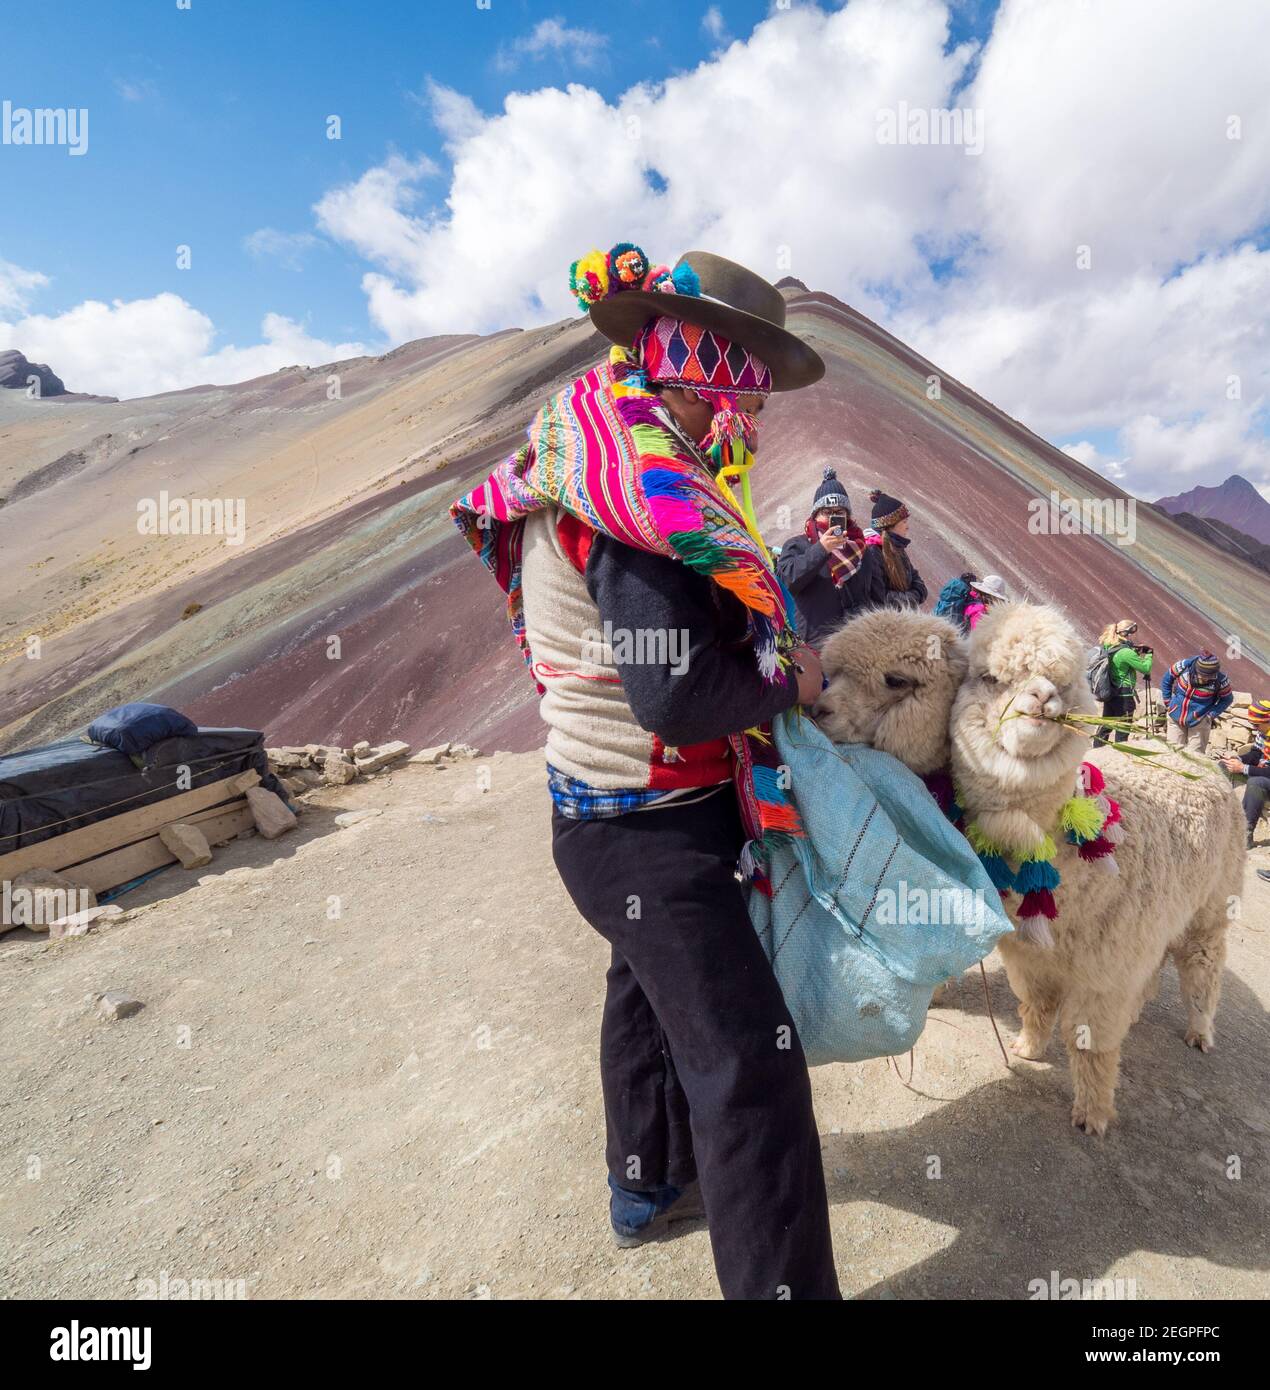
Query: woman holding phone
[831,569]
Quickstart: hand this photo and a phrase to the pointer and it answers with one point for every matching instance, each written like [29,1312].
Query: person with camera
[831,569]
[1124,660]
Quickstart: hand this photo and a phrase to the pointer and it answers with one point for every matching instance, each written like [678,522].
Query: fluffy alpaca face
[1025,660]
[893,676]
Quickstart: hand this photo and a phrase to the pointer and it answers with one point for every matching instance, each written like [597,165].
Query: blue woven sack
[881,901]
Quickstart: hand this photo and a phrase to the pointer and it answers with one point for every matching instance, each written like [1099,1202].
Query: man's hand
[811,679]
[831,541]
[1233,765]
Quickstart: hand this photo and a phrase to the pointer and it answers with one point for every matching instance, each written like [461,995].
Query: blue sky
[208,124]
[482,149]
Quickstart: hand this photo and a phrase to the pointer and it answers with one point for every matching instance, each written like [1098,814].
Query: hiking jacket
[1125,664]
[822,606]
[1187,703]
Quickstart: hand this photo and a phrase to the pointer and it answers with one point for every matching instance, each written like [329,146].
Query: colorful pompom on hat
[622,290]
[1259,713]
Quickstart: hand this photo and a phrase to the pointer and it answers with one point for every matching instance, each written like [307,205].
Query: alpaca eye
[897,682]
[989,678]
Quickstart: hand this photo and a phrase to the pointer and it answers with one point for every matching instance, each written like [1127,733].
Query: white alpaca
[1179,863]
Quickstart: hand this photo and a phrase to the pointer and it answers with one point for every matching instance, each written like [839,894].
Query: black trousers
[701,1065]
[1118,706]
[1256,798]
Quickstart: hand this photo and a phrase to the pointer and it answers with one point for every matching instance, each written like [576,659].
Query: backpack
[1101,679]
[952,600]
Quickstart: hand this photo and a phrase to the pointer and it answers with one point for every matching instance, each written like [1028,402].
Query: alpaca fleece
[1180,862]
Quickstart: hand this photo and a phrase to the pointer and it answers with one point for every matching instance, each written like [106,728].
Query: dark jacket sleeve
[801,562]
[1255,762]
[714,687]
[875,593]
[917,588]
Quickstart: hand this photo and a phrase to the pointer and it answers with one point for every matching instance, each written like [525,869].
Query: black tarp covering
[69,784]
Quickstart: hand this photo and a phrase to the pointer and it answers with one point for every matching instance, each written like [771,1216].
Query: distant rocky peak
[16,373]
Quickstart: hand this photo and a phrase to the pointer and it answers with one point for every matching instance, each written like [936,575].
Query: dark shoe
[1249,844]
[1264,873]
[639,1217]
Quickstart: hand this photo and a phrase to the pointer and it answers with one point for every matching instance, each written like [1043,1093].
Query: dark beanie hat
[831,493]
[886,510]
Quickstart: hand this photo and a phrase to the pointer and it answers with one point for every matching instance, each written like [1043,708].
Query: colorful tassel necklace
[1090,820]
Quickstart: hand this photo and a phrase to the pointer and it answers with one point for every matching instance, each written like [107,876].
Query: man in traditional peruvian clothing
[662,643]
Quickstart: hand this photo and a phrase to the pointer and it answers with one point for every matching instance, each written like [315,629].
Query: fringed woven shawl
[604,451]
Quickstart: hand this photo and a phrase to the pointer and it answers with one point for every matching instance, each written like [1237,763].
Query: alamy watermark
[40,907]
[45,125]
[938,125]
[1057,1287]
[639,646]
[168,1289]
[193,516]
[1056,515]
[903,906]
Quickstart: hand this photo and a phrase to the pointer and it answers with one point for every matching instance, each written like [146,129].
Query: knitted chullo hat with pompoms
[1259,714]
[831,493]
[886,510]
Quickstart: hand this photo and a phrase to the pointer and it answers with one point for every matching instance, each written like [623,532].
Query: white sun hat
[992,585]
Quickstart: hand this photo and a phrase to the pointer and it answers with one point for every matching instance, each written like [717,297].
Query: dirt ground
[366,1067]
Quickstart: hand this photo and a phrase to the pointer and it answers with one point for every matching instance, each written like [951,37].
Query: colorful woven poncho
[605,451]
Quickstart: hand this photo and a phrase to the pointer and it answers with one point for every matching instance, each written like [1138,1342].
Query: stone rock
[381,756]
[361,750]
[297,786]
[38,897]
[16,371]
[347,818]
[272,815]
[465,750]
[336,772]
[188,843]
[81,923]
[285,758]
[115,1004]
[431,756]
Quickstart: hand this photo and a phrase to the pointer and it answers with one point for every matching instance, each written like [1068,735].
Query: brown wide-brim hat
[733,301]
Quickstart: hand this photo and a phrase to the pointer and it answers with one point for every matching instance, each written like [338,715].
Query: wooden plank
[119,866]
[115,832]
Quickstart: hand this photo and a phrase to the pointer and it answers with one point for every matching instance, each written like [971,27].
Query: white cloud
[287,248]
[769,152]
[793,112]
[144,346]
[1104,126]
[135,89]
[554,38]
[714,25]
[1092,457]
[17,286]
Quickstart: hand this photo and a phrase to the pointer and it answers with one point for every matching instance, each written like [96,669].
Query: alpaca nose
[1040,697]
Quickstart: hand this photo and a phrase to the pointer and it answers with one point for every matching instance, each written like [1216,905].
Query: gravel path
[366,1067]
